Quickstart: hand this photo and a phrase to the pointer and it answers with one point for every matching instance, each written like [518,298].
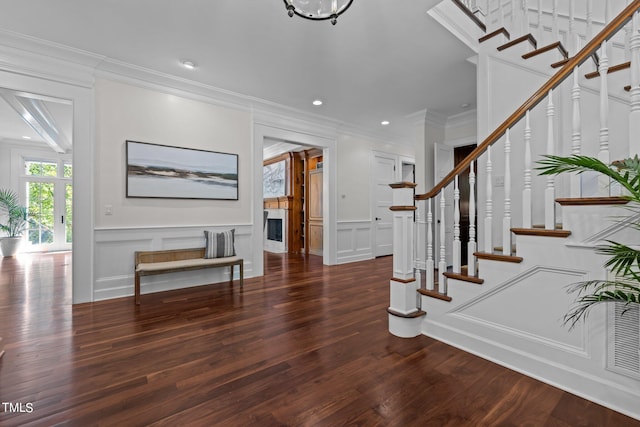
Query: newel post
[404,314]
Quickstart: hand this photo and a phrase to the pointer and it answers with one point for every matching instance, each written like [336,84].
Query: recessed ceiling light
[385,122]
[190,65]
[26,137]
[317,102]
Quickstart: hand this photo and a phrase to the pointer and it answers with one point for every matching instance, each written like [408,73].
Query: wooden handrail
[608,31]
[471,15]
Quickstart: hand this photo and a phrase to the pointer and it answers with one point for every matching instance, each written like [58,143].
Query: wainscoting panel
[115,248]
[355,241]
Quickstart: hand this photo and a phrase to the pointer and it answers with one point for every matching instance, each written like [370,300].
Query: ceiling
[384,60]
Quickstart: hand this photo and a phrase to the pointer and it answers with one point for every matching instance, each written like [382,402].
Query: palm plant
[624,261]
[15,213]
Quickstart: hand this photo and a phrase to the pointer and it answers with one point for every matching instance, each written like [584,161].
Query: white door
[384,173]
[48,194]
[443,164]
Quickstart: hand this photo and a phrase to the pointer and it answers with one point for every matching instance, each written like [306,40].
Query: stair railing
[444,196]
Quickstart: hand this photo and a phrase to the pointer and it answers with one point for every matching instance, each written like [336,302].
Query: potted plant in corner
[624,260]
[13,217]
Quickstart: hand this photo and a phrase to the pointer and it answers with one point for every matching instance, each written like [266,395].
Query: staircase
[566,83]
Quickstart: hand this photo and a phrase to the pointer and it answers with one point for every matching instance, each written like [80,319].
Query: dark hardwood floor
[305,345]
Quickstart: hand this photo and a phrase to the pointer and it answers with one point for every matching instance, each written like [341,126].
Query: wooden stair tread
[526,37]
[540,232]
[498,257]
[411,315]
[495,33]
[434,294]
[557,45]
[594,57]
[612,69]
[592,201]
[559,63]
[464,277]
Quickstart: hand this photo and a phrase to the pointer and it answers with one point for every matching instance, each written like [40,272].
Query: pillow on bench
[219,244]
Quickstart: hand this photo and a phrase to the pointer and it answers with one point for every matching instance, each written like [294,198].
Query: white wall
[355,174]
[356,225]
[126,112]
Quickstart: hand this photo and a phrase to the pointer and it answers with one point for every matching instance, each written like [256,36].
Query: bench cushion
[186,263]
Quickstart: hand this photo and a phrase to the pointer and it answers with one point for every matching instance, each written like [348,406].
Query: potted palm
[14,217]
[623,260]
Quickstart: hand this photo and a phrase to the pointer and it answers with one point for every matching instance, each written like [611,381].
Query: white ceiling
[384,60]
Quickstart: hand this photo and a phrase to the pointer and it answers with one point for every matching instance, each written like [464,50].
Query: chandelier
[318,10]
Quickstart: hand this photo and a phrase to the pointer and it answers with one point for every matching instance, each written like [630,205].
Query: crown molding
[35,57]
[434,118]
[464,118]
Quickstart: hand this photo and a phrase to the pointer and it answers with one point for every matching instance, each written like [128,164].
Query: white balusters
[420,230]
[589,33]
[540,26]
[514,15]
[457,245]
[634,115]
[526,192]
[571,35]
[576,132]
[506,220]
[442,265]
[627,38]
[555,26]
[429,268]
[488,220]
[525,17]
[471,245]
[549,192]
[603,154]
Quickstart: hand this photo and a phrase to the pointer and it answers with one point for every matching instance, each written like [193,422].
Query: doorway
[48,195]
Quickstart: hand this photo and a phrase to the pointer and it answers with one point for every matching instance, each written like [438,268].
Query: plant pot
[10,245]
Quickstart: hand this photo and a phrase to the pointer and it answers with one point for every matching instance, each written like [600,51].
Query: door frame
[75,84]
[264,128]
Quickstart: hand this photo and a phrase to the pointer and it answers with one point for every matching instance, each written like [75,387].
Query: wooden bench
[149,263]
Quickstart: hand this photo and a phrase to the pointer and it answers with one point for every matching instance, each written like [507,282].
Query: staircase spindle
[420,246]
[603,154]
[442,265]
[549,193]
[526,192]
[634,115]
[457,245]
[627,38]
[540,26]
[429,268]
[555,27]
[525,17]
[576,131]
[506,220]
[471,245]
[514,17]
[488,220]
[589,32]
[571,35]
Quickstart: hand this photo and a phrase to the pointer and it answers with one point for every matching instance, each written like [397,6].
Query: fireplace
[274,229]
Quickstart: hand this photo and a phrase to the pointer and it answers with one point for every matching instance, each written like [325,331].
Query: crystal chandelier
[318,10]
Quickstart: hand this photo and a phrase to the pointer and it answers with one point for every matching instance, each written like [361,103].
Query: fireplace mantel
[283,202]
